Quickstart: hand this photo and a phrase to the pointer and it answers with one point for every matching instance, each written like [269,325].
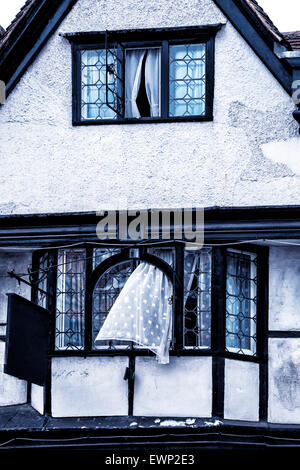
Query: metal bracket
[20,279]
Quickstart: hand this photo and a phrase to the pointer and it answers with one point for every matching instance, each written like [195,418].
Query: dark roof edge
[264,23]
[18,24]
[258,38]
[39,26]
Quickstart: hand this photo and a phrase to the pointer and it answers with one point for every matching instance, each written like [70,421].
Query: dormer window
[143,76]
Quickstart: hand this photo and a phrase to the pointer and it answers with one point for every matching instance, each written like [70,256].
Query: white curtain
[152,80]
[133,74]
[133,70]
[142,312]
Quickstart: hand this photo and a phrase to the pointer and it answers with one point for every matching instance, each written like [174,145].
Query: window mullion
[210,74]
[218,300]
[178,294]
[164,79]
[76,78]
[51,305]
[262,329]
[88,323]
[218,329]
[51,289]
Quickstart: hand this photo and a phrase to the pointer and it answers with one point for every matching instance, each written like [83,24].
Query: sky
[285,14]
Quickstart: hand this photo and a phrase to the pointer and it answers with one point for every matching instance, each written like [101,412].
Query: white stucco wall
[284,381]
[182,388]
[241,398]
[284,310]
[94,386]
[284,315]
[48,165]
[37,398]
[12,391]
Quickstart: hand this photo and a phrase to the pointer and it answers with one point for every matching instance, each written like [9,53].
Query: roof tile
[293,38]
[16,25]
[265,20]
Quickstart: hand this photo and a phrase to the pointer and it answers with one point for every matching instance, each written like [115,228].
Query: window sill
[95,122]
[140,352]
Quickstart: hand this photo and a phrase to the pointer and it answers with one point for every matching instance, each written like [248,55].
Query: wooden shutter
[27,340]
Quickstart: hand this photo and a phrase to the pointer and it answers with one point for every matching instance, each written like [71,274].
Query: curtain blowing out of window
[133,78]
[142,312]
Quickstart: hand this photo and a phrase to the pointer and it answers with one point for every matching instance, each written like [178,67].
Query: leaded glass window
[241,302]
[93,84]
[84,300]
[187,80]
[197,298]
[155,79]
[101,254]
[70,299]
[105,294]
[166,254]
[42,281]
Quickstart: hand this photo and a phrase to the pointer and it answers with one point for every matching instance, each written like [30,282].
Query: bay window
[155,300]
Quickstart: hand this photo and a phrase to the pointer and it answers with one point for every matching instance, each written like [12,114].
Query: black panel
[27,340]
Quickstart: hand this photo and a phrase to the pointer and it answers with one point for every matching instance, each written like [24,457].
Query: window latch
[129,374]
[110,69]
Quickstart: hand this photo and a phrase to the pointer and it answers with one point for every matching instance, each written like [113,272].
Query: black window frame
[145,38]
[218,305]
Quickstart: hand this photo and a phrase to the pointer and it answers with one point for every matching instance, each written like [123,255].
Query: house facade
[153,113]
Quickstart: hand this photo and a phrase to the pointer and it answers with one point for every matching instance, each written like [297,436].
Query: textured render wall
[37,398]
[12,391]
[284,381]
[284,311]
[284,355]
[94,386]
[48,165]
[241,399]
[182,388]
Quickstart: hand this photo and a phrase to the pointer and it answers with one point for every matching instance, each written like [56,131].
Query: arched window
[132,304]
[106,292]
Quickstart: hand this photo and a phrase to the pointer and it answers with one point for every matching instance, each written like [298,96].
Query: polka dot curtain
[142,312]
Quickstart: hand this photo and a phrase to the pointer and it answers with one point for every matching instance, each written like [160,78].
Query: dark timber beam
[238,14]
[221,225]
